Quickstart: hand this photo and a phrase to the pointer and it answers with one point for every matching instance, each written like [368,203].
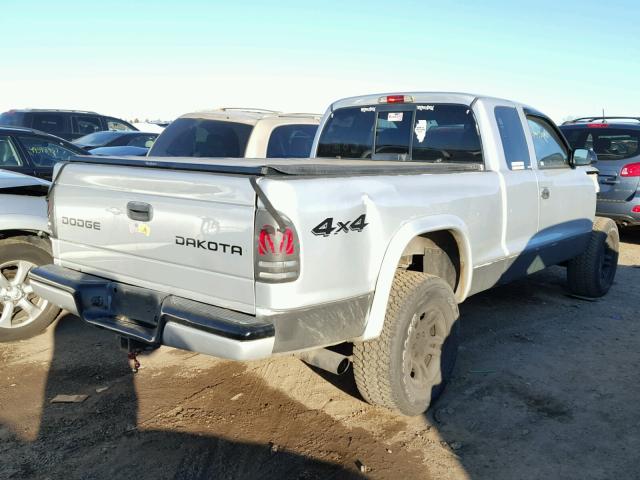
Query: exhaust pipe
[326,360]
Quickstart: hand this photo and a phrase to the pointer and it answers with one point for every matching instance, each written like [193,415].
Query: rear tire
[22,313]
[407,366]
[591,273]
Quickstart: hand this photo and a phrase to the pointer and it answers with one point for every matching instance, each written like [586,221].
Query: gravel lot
[546,386]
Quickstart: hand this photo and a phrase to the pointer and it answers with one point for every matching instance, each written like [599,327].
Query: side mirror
[582,157]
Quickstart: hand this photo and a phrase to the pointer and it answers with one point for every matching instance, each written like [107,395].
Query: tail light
[51,215]
[396,99]
[277,254]
[631,170]
[636,209]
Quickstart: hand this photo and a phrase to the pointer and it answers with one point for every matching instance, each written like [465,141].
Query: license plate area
[126,309]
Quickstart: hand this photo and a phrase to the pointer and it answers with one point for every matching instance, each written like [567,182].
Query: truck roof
[418,97]
[251,116]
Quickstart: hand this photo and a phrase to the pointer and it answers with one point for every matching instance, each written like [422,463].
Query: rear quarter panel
[347,264]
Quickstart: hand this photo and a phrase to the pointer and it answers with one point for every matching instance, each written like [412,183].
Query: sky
[157,60]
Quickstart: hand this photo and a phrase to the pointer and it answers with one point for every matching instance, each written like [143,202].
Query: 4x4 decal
[326,227]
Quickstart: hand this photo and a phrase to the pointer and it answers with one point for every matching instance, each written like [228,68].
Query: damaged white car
[24,244]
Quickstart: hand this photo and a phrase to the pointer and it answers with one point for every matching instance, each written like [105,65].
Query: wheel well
[435,253]
[39,239]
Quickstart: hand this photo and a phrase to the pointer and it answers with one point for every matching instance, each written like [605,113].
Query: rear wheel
[407,367]
[22,313]
[591,273]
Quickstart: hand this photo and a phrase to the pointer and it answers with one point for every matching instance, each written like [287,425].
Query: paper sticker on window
[517,165]
[394,117]
[420,130]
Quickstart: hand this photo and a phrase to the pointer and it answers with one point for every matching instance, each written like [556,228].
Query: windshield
[424,133]
[193,137]
[95,139]
[608,143]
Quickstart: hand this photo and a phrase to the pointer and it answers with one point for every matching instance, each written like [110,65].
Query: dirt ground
[546,387]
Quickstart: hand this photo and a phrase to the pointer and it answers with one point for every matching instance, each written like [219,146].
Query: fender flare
[24,222]
[392,255]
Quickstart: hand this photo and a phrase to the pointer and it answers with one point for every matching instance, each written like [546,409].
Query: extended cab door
[566,195]
[520,190]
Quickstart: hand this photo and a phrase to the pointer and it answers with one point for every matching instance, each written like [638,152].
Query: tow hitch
[133,349]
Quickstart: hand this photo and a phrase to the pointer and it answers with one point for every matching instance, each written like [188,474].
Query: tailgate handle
[143,212]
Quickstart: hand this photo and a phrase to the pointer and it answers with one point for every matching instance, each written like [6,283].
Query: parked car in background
[30,152]
[116,139]
[24,244]
[238,132]
[616,141]
[67,124]
[126,151]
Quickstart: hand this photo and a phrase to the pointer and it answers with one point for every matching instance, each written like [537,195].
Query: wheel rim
[19,306]
[422,359]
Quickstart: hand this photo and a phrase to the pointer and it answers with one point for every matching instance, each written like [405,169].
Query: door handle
[545,194]
[140,211]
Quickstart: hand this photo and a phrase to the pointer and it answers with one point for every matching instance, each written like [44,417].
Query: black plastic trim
[111,305]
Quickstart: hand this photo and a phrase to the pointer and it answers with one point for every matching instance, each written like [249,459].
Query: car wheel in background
[22,313]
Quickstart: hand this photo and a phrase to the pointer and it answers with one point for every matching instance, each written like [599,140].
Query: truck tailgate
[180,232]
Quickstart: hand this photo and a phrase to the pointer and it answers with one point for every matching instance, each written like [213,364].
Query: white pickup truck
[412,203]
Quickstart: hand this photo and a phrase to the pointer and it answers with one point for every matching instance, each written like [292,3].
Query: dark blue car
[616,141]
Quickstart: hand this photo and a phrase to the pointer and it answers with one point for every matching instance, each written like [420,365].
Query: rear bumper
[620,212]
[153,317]
[159,318]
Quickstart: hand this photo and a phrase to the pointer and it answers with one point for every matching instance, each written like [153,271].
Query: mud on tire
[407,367]
[591,273]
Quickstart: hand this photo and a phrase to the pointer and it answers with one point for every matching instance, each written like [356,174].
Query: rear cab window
[194,137]
[428,133]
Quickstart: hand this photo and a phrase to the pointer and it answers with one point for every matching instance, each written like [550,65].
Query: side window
[8,155]
[48,122]
[45,153]
[144,141]
[291,141]
[514,143]
[85,125]
[550,151]
[117,125]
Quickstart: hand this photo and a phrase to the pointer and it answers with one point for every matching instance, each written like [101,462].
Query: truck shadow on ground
[544,382]
[265,434]
[545,385]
